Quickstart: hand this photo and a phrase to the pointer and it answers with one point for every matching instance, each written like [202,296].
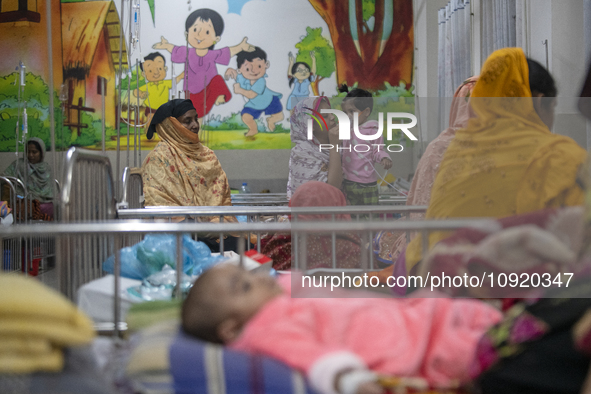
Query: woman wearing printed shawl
[319,247]
[180,171]
[39,180]
[506,161]
[307,162]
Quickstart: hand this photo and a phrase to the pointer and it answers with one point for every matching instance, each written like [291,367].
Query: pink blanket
[432,338]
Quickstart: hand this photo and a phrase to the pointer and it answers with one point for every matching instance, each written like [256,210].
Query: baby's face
[240,293]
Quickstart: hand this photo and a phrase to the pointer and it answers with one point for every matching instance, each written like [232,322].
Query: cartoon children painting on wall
[301,76]
[250,82]
[203,29]
[157,90]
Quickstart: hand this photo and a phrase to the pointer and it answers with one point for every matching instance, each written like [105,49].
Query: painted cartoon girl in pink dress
[203,29]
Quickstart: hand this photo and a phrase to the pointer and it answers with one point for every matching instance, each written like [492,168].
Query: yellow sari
[506,161]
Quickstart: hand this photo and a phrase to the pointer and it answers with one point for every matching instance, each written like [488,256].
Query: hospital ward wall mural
[243,63]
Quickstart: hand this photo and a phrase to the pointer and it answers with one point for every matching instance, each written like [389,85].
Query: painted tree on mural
[372,39]
[325,66]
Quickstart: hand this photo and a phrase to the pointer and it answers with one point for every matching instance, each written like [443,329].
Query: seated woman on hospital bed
[36,174]
[389,245]
[319,247]
[181,171]
[506,161]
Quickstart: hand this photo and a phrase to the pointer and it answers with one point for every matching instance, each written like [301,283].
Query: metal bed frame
[87,196]
[114,232]
[133,195]
[133,189]
[16,249]
[258,199]
[258,214]
[12,254]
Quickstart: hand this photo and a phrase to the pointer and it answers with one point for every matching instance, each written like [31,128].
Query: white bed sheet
[96,298]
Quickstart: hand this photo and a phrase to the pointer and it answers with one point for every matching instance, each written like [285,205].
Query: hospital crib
[133,189]
[12,256]
[267,213]
[36,251]
[112,233]
[87,196]
[132,196]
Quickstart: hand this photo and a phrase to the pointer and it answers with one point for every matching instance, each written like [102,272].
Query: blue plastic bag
[157,250]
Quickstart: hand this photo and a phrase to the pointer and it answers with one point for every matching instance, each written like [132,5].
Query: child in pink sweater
[360,179]
[341,344]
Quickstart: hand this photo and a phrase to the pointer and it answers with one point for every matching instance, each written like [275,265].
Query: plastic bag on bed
[161,285]
[157,250]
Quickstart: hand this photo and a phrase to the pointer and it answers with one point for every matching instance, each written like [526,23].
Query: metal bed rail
[87,196]
[12,256]
[388,199]
[255,214]
[267,199]
[16,249]
[14,197]
[91,239]
[281,199]
[259,214]
[87,193]
[133,189]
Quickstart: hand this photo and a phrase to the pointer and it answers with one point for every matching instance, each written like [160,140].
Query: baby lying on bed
[340,343]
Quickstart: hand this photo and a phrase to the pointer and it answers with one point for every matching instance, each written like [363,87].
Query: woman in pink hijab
[388,246]
[348,249]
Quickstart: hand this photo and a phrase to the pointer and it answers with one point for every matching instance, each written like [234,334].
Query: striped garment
[361,193]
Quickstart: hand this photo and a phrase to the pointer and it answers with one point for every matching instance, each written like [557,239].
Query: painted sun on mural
[243,63]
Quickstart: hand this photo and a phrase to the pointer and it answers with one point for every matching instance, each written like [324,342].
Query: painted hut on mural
[90,32]
[23,29]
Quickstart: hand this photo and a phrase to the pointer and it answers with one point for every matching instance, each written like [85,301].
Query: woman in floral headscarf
[319,247]
[307,161]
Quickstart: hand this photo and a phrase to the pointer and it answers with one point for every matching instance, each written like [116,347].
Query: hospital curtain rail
[455,47]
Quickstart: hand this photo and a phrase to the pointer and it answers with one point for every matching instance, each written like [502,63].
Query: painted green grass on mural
[37,98]
[234,139]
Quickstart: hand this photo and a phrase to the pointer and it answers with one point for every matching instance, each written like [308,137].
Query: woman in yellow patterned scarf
[181,171]
[506,161]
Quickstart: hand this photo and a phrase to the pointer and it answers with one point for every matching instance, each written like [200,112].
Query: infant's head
[223,300]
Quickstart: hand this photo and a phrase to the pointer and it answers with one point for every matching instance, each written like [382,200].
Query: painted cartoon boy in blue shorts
[250,82]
